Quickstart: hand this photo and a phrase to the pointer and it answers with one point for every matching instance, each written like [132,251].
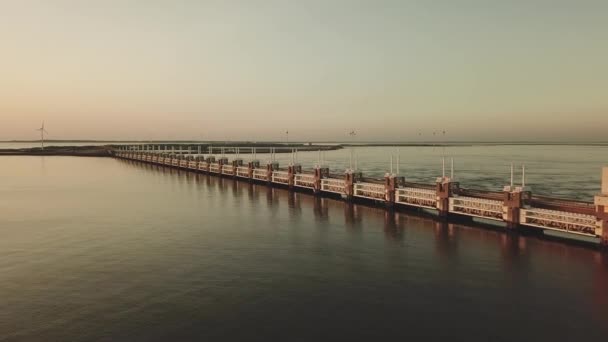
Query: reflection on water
[102,249]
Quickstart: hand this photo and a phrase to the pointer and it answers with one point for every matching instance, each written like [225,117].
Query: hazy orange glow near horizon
[250,70]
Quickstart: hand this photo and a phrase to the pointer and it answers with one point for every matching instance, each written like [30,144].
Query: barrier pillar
[210,160]
[391,183]
[252,166]
[292,170]
[513,200]
[601,210]
[320,173]
[349,184]
[235,164]
[270,167]
[445,188]
[221,162]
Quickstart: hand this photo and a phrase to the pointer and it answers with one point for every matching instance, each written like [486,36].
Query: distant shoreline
[81,151]
[105,150]
[315,144]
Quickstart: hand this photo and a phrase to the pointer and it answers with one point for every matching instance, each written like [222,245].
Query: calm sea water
[97,249]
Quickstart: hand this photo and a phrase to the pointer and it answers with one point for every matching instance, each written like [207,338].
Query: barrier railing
[228,170]
[242,171]
[214,168]
[424,198]
[333,185]
[281,177]
[370,190]
[304,180]
[478,207]
[559,220]
[260,174]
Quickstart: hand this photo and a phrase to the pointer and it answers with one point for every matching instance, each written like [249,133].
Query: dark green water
[108,250]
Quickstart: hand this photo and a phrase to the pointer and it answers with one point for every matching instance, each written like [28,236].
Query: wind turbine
[42,131]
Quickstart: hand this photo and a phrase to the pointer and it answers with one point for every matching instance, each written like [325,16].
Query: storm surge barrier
[513,208]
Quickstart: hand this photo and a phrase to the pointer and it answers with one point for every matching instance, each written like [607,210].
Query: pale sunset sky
[252,69]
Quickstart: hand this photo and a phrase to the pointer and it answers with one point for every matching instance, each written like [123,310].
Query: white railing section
[281,177]
[417,197]
[478,207]
[304,180]
[202,165]
[183,163]
[228,170]
[259,174]
[333,185]
[370,190]
[559,220]
[175,162]
[192,164]
[214,167]
[242,171]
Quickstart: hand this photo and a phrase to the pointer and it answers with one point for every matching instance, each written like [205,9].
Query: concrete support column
[349,184]
[391,183]
[320,173]
[602,224]
[210,160]
[222,161]
[292,171]
[445,188]
[252,166]
[270,167]
[235,164]
[601,210]
[513,201]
